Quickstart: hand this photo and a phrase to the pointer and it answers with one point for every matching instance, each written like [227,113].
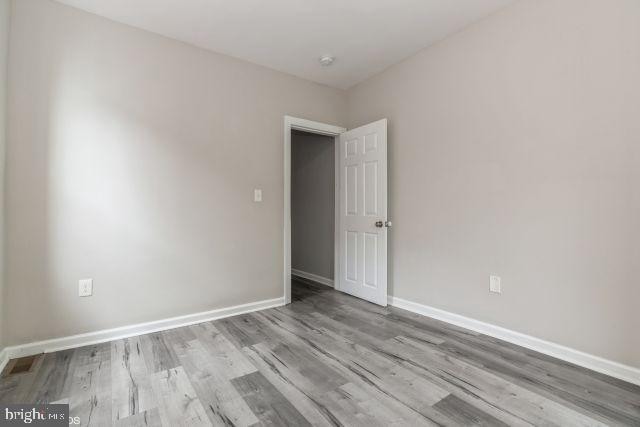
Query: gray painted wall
[5,10]
[514,150]
[132,159]
[312,203]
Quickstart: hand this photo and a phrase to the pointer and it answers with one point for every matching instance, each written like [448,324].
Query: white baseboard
[589,361]
[91,338]
[4,358]
[313,277]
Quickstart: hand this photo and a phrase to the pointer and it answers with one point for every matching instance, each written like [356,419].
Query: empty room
[320,212]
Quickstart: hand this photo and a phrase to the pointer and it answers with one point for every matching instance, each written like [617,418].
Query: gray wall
[5,9]
[132,159]
[514,150]
[312,203]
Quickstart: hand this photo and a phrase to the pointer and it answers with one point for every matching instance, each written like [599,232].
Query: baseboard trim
[106,335]
[4,359]
[589,361]
[311,276]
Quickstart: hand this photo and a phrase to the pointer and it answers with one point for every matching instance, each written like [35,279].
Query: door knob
[379,224]
[388,224]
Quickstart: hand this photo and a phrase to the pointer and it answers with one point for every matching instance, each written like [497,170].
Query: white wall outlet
[257,195]
[85,287]
[495,285]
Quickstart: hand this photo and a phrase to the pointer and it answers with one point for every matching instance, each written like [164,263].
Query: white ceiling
[365,36]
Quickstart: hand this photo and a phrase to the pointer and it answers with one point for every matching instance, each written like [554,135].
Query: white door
[363,225]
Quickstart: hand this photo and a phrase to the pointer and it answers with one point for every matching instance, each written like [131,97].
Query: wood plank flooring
[327,359]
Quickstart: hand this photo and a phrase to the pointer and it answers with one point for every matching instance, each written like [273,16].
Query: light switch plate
[495,284]
[257,195]
[85,287]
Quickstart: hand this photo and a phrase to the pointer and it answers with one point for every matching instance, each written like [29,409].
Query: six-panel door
[362,269]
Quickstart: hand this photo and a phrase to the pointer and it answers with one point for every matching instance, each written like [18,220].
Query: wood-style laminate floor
[326,359]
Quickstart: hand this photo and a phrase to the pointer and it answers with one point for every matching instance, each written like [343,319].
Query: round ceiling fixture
[326,60]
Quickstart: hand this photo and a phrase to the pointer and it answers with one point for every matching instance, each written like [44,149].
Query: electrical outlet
[257,195]
[85,287]
[495,285]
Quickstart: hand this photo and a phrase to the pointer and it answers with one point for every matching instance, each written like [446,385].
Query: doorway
[313,207]
[360,223]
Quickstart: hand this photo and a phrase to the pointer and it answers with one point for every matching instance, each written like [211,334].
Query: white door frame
[322,129]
